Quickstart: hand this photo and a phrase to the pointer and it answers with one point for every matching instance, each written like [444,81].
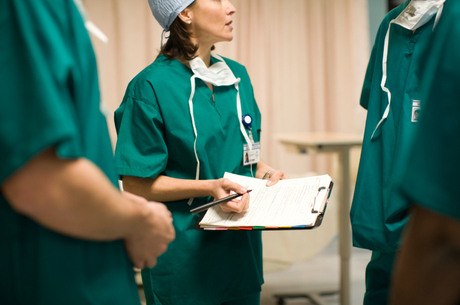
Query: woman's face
[211,21]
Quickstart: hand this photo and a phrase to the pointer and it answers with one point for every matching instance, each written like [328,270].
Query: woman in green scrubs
[391,95]
[64,226]
[180,128]
[429,265]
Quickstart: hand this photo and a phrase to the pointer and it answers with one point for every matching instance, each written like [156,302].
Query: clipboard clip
[314,200]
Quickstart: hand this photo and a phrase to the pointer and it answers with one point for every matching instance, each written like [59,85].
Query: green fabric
[155,136]
[379,211]
[253,299]
[49,97]
[432,175]
[378,277]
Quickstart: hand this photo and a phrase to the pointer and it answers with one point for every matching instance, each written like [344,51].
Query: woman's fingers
[276,176]
[237,205]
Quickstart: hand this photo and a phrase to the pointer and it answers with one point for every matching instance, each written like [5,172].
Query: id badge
[415,110]
[251,156]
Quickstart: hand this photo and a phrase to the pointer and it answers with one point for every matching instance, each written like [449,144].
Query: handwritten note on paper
[287,203]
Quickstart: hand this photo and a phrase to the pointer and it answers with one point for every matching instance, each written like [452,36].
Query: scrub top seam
[145,102]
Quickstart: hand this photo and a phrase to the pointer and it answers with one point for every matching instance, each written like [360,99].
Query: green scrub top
[156,137]
[379,211]
[432,174]
[49,98]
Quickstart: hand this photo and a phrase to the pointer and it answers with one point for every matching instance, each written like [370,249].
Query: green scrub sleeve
[141,150]
[431,177]
[368,79]
[374,68]
[35,102]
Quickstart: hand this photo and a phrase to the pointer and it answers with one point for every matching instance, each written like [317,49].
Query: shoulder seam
[145,102]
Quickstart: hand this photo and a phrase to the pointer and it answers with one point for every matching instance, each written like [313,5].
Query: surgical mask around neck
[418,13]
[218,74]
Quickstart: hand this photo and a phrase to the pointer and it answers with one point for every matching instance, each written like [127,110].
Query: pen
[206,206]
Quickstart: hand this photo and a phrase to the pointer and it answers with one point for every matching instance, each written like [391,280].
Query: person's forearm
[427,269]
[166,189]
[72,197]
[262,169]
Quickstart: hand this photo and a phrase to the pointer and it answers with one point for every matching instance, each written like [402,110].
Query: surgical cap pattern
[165,11]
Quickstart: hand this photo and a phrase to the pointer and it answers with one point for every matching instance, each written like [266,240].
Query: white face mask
[219,74]
[418,13]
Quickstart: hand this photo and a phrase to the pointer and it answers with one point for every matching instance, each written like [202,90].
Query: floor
[320,274]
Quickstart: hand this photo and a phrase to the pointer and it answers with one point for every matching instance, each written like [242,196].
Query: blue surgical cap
[165,11]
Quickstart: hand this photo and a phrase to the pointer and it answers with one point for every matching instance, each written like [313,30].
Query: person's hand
[151,235]
[224,187]
[274,176]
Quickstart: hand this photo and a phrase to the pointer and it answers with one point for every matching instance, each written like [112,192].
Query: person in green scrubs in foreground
[67,235]
[428,267]
[391,94]
[185,120]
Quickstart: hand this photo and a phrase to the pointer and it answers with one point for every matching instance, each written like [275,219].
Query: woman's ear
[186,16]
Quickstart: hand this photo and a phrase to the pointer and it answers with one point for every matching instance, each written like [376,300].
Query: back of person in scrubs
[185,120]
[428,267]
[391,95]
[67,235]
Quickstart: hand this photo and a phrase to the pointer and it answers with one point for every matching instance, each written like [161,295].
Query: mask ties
[190,105]
[240,115]
[163,35]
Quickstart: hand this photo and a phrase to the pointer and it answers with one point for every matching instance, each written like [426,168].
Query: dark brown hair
[179,44]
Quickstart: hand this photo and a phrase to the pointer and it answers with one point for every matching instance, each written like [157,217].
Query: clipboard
[319,211]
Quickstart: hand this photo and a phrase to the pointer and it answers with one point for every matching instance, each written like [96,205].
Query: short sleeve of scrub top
[36,105]
[143,149]
[368,79]
[49,98]
[431,178]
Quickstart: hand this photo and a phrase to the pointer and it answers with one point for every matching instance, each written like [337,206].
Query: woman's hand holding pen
[224,187]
